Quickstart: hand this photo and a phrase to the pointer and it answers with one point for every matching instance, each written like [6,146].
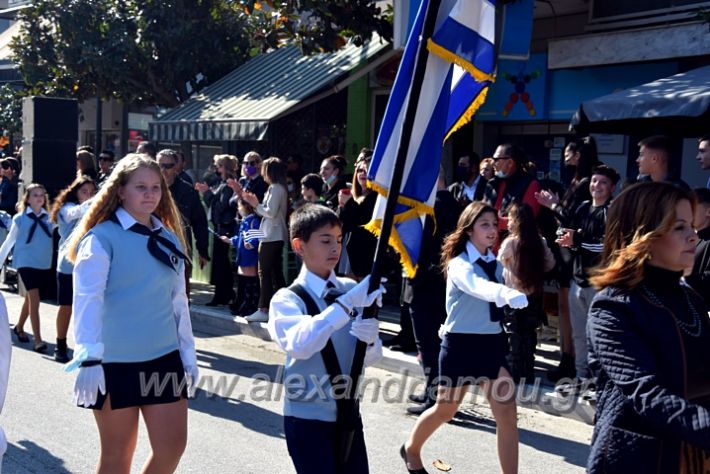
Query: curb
[540,396]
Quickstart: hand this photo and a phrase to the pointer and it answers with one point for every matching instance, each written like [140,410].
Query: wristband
[345,308]
[90,363]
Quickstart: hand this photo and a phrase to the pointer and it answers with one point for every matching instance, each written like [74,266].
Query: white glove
[367,330]
[358,297]
[192,376]
[515,299]
[442,332]
[89,382]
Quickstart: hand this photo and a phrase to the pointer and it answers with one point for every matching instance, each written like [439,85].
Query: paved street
[236,426]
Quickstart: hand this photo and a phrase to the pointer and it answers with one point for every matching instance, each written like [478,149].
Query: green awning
[241,105]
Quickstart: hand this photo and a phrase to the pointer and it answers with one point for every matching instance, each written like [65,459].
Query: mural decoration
[519,81]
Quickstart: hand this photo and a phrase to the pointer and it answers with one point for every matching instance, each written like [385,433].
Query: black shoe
[60,355]
[419,409]
[417,397]
[404,348]
[566,369]
[234,309]
[21,335]
[403,454]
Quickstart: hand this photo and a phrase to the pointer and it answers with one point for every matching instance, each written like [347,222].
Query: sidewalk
[541,396]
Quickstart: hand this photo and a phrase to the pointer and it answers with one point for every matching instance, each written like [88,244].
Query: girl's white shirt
[11,238]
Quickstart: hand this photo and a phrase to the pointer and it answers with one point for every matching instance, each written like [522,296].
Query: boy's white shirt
[302,335]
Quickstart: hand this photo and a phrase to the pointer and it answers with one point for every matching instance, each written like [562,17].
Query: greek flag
[460,66]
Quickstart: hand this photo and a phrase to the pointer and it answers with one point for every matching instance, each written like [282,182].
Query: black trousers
[271,275]
[428,311]
[312,449]
[521,325]
[221,276]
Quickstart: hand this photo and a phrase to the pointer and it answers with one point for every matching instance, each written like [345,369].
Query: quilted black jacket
[642,415]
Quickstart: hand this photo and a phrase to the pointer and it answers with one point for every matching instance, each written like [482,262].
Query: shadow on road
[571,451]
[26,456]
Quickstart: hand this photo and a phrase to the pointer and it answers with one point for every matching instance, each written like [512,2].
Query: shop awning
[241,105]
[678,105]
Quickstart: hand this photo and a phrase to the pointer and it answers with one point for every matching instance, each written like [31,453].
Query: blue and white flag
[460,66]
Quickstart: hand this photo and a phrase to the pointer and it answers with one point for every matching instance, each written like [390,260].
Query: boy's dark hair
[313,181]
[703,196]
[607,171]
[108,153]
[704,138]
[309,218]
[658,143]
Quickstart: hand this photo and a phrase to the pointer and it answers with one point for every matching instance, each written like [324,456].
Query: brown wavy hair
[455,242]
[529,258]
[637,218]
[22,205]
[107,201]
[68,194]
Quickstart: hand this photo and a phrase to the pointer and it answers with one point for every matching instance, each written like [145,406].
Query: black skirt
[33,278]
[150,382]
[64,289]
[469,358]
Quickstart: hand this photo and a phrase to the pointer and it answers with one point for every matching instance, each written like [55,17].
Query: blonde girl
[131,317]
[474,346]
[31,236]
[68,207]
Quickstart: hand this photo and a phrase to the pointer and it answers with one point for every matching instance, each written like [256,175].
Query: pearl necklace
[691,329]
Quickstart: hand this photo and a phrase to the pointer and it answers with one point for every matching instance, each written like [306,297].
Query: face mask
[500,174]
[250,170]
[331,179]
[291,187]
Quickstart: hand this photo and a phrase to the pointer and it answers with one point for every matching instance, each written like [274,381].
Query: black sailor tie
[489,268]
[154,238]
[37,222]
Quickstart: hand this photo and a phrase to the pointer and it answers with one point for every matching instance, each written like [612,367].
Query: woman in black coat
[649,335]
[221,216]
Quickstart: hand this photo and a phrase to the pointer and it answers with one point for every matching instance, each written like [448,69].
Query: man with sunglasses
[511,184]
[187,200]
[106,158]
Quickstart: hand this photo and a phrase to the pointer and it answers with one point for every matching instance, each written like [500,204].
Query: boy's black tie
[490,269]
[37,222]
[153,238]
[331,293]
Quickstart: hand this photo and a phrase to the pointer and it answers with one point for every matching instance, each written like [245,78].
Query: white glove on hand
[358,297]
[515,299]
[367,330]
[192,376]
[89,382]
[442,332]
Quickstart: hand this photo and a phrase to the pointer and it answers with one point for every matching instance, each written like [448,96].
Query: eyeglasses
[250,163]
[167,166]
[498,158]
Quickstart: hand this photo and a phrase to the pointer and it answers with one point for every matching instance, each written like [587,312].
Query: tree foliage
[10,109]
[160,51]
